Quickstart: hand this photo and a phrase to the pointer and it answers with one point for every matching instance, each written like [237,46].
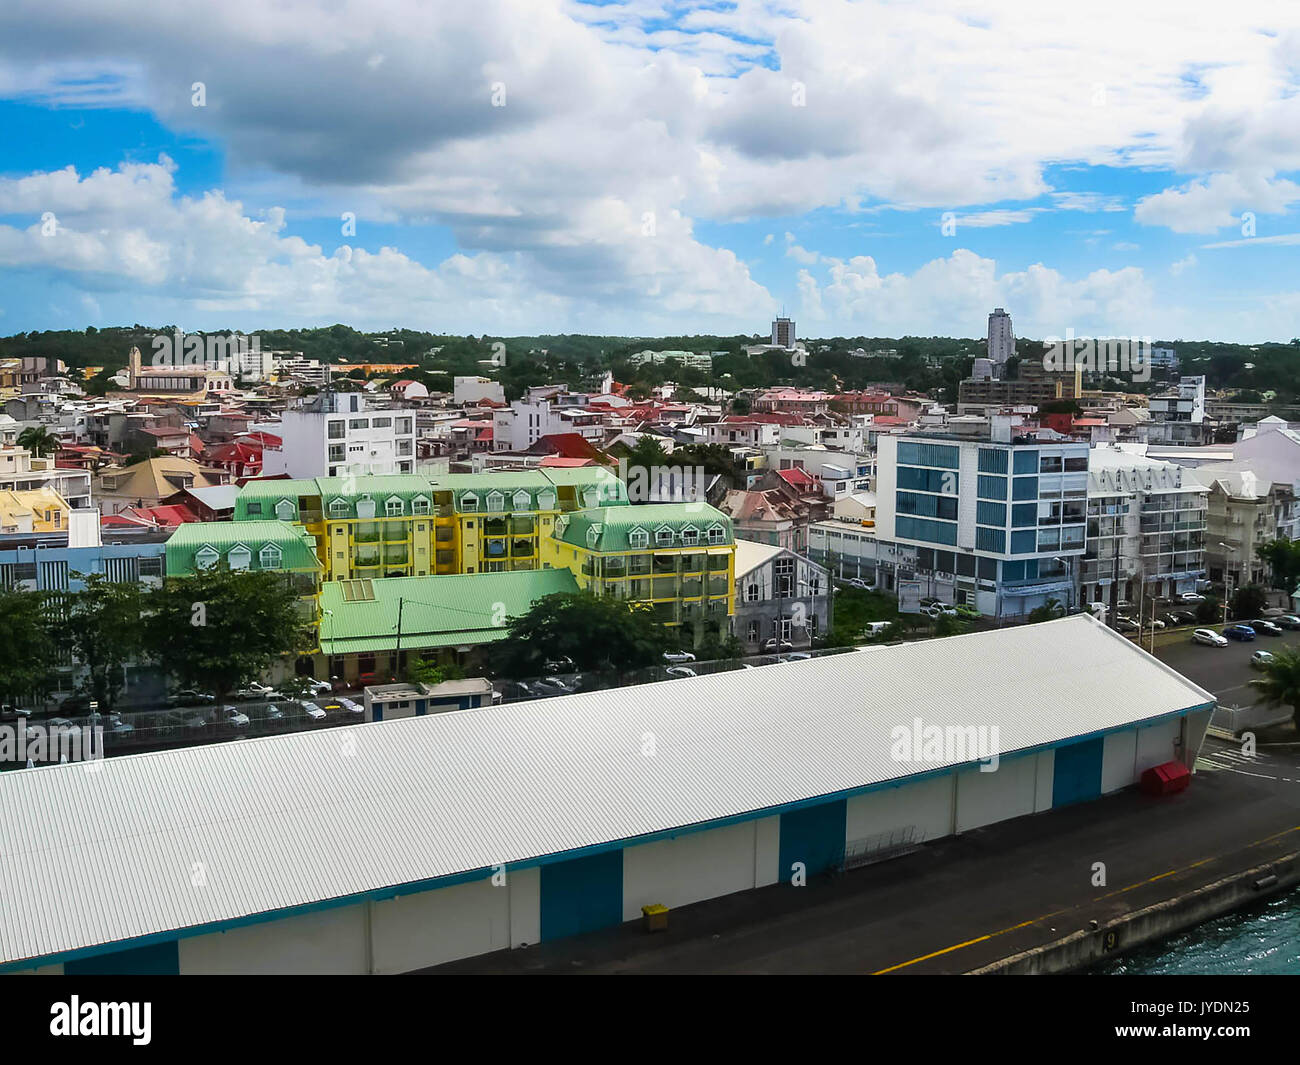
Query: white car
[771,645]
[680,671]
[678,656]
[350,705]
[310,709]
[797,656]
[1192,597]
[319,687]
[938,610]
[255,690]
[858,582]
[1209,637]
[1261,658]
[230,716]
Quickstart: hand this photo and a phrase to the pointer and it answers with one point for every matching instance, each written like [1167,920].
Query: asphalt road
[1225,671]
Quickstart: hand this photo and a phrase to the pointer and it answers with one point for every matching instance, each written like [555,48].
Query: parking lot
[1225,671]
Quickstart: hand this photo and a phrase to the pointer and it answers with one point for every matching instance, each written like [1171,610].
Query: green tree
[1284,557]
[26,664]
[1280,684]
[221,628]
[1051,609]
[1248,601]
[38,440]
[102,626]
[429,671]
[596,633]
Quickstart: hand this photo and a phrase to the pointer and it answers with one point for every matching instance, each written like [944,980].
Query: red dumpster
[1165,779]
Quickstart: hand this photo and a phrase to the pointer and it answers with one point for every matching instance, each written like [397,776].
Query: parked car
[1155,623]
[858,582]
[272,713]
[1288,621]
[938,610]
[969,612]
[678,656]
[797,656]
[1126,624]
[255,690]
[680,671]
[351,706]
[1261,658]
[1209,638]
[75,704]
[1192,597]
[310,709]
[230,716]
[113,723]
[1239,632]
[553,686]
[319,687]
[190,697]
[1266,627]
[772,645]
[563,664]
[1184,617]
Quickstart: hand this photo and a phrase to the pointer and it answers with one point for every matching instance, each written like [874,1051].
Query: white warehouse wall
[1011,791]
[925,805]
[329,941]
[1118,755]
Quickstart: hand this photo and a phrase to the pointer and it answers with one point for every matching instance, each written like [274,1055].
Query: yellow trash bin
[656,917]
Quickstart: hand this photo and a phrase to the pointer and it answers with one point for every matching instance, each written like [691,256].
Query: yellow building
[678,557]
[406,525]
[40,510]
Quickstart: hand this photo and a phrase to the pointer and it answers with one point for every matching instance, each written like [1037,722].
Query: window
[752,632]
[938,532]
[150,567]
[206,557]
[638,538]
[420,505]
[337,429]
[521,500]
[269,557]
[664,536]
[336,453]
[1025,488]
[1026,462]
[990,539]
[928,506]
[690,535]
[403,426]
[1024,543]
[927,480]
[751,593]
[393,507]
[468,501]
[717,534]
[255,508]
[992,461]
[359,423]
[546,500]
[239,557]
[991,513]
[381,423]
[285,510]
[593,534]
[1024,515]
[914,454]
[338,508]
[991,487]
[1048,464]
[496,501]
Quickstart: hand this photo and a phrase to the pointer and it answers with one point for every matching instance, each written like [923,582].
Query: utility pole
[397,655]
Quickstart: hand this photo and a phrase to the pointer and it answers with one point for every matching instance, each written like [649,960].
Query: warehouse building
[397,845]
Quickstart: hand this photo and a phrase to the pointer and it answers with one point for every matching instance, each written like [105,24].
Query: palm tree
[1280,684]
[38,440]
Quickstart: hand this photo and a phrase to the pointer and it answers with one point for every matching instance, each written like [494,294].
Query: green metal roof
[437,611]
[616,523]
[297,548]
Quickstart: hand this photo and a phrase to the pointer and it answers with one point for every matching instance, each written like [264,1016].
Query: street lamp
[1069,596]
[1227,574]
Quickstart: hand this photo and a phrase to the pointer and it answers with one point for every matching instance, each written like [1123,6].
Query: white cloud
[1216,202]
[1182,264]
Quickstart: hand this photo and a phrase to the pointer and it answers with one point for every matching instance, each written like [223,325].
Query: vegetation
[220,628]
[561,626]
[38,440]
[853,609]
[25,665]
[1284,558]
[1280,684]
[101,627]
[1248,602]
[421,670]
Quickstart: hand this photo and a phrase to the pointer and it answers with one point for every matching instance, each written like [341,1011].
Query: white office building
[1002,340]
[340,435]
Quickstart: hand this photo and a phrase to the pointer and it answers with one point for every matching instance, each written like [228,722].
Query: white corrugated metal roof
[109,855]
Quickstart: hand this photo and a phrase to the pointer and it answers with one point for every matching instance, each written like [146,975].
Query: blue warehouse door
[582,894]
[158,959]
[814,836]
[1077,774]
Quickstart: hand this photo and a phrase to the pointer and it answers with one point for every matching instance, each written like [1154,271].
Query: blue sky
[649,168]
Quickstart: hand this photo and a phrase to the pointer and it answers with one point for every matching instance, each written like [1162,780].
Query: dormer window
[393,507]
[663,536]
[590,497]
[285,510]
[546,500]
[496,501]
[469,501]
[239,557]
[420,505]
[269,557]
[593,535]
[717,534]
[522,501]
[690,535]
[365,508]
[338,508]
[206,557]
[638,538]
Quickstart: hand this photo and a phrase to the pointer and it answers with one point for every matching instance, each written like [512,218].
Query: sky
[643,168]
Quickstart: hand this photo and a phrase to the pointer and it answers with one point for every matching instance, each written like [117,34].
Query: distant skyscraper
[783,332]
[1002,340]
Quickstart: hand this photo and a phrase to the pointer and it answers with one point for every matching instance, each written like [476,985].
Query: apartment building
[782,598]
[677,557]
[1242,516]
[1178,416]
[21,471]
[338,435]
[1146,529]
[998,522]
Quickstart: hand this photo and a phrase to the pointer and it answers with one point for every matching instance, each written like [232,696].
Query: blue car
[1239,632]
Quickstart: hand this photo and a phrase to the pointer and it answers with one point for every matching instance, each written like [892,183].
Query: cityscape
[754,524]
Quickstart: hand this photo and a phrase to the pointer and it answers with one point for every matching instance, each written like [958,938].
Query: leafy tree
[38,440]
[1209,610]
[717,646]
[428,671]
[1280,684]
[1248,601]
[596,633]
[1051,609]
[102,626]
[25,662]
[1284,557]
[221,628]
